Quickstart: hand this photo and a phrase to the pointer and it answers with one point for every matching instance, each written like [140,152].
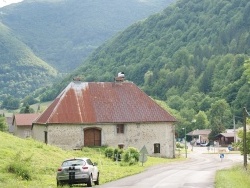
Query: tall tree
[10,103]
[201,121]
[247,69]
[27,110]
[220,117]
[3,124]
[240,144]
[206,81]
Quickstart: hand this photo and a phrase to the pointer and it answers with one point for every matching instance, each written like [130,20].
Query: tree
[10,103]
[29,100]
[175,102]
[205,84]
[3,124]
[247,69]
[220,118]
[201,120]
[27,110]
[239,144]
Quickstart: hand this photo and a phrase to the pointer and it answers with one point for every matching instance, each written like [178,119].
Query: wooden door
[92,137]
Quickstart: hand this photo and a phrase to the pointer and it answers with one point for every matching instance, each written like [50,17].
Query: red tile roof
[103,102]
[25,119]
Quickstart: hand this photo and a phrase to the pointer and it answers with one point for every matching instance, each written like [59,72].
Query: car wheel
[97,180]
[58,183]
[89,183]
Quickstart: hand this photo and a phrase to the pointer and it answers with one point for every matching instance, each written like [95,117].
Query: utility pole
[185,141]
[245,113]
[234,129]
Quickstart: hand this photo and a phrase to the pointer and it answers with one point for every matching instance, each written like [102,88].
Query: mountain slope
[185,36]
[21,72]
[64,33]
[191,55]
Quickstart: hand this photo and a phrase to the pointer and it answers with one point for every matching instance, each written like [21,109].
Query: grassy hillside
[21,71]
[38,163]
[64,33]
[28,163]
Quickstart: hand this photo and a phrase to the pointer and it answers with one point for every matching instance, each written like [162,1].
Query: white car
[77,171]
[205,144]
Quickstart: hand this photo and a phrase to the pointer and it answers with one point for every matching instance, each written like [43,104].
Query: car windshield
[73,162]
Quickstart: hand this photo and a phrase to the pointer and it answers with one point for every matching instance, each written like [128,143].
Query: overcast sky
[8,2]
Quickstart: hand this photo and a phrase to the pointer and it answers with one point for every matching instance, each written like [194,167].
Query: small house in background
[116,114]
[22,124]
[199,136]
[227,138]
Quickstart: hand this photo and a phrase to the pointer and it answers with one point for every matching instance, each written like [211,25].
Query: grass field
[28,163]
[236,177]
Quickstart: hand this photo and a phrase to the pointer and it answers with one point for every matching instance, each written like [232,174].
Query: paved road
[196,172]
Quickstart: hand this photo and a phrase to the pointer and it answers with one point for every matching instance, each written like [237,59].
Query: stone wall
[38,132]
[135,135]
[22,131]
[138,135]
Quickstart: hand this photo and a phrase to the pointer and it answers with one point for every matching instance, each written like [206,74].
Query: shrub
[21,167]
[179,145]
[131,156]
[3,124]
[109,151]
[118,154]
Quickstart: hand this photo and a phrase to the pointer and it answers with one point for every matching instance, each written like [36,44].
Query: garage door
[92,137]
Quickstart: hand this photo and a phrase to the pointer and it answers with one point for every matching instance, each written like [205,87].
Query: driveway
[196,172]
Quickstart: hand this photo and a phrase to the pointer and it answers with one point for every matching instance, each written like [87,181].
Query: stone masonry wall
[38,132]
[135,135]
[138,135]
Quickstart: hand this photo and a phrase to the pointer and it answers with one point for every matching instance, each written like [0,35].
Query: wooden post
[244,137]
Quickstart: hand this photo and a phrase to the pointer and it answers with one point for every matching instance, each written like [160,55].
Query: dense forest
[21,71]
[194,56]
[63,33]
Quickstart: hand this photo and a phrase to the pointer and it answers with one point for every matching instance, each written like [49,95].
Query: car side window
[89,162]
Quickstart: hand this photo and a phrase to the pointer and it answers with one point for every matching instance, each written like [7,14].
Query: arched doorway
[92,137]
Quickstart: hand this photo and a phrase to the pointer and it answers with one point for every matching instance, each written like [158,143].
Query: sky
[8,2]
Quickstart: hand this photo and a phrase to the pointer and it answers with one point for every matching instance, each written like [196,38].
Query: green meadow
[28,163]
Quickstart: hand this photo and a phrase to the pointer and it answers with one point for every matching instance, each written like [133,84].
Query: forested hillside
[63,33]
[21,72]
[191,55]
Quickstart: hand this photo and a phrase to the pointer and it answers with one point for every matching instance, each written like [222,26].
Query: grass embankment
[236,177]
[28,163]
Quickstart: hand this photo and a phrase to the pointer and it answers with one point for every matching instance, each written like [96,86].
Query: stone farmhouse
[116,114]
[22,124]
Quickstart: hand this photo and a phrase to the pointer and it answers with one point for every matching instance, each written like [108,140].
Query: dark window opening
[120,128]
[157,148]
[46,137]
[120,146]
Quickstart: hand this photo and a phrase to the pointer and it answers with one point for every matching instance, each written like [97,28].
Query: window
[120,128]
[120,146]
[89,162]
[27,133]
[74,162]
[46,137]
[157,148]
